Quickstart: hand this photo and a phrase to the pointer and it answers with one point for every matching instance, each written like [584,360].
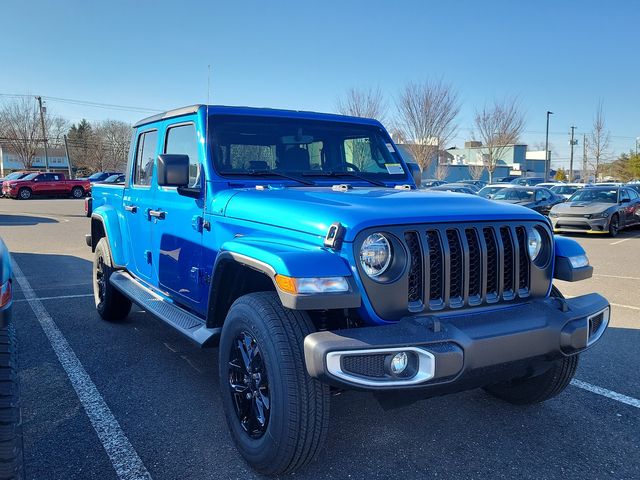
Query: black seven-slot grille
[450,267]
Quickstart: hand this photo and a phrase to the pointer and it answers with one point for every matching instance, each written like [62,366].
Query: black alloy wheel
[249,385]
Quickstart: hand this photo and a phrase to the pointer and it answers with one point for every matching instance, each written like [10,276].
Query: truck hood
[312,210]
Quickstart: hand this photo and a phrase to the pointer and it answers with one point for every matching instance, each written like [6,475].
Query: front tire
[24,193]
[540,388]
[277,414]
[614,225]
[110,303]
[11,451]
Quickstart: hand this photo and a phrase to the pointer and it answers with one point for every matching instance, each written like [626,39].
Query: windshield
[514,194]
[246,145]
[563,189]
[96,176]
[15,176]
[489,191]
[600,195]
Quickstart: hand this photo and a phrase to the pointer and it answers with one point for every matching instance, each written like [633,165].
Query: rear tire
[279,422]
[11,450]
[24,193]
[110,303]
[77,192]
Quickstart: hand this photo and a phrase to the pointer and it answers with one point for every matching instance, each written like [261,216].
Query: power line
[87,103]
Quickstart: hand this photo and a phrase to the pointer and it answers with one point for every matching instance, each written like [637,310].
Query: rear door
[138,201]
[178,232]
[634,207]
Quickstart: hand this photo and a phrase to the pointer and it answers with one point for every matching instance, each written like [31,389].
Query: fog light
[399,363]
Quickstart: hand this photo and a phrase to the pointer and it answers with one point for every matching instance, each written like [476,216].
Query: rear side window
[145,157]
[182,139]
[632,194]
[624,195]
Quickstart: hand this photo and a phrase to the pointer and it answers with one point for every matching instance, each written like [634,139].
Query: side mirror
[416,173]
[173,170]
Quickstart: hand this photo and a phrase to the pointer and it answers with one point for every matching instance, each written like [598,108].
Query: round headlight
[375,254]
[534,243]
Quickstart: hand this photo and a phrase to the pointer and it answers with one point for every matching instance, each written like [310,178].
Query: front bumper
[580,225]
[452,353]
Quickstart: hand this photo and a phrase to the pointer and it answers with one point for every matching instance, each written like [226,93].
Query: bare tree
[367,103]
[600,140]
[498,126]
[427,118]
[20,129]
[442,170]
[114,138]
[475,171]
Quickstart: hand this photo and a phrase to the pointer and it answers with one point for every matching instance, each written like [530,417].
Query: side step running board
[186,323]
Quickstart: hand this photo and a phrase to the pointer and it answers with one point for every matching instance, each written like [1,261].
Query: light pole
[546,150]
[572,142]
[44,134]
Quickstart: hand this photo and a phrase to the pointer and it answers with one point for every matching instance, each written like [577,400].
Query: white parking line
[59,297]
[618,397]
[615,276]
[625,306]
[620,241]
[124,458]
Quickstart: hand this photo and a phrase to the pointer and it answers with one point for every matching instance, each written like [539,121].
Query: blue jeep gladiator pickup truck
[297,243]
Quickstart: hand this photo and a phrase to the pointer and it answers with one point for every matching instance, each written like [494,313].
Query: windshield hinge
[342,187]
[334,236]
[406,186]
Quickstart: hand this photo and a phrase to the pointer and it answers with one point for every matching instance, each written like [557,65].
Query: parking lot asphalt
[162,391]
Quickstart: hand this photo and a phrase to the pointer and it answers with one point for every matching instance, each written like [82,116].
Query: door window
[182,139]
[145,157]
[624,195]
[632,194]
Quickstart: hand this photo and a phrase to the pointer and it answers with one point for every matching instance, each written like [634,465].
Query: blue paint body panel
[282,224]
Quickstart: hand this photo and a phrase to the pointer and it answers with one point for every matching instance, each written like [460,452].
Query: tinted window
[182,139]
[145,156]
[243,145]
[624,195]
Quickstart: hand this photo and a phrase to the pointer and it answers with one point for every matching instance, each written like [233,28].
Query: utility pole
[66,149]
[584,158]
[547,160]
[44,135]
[572,143]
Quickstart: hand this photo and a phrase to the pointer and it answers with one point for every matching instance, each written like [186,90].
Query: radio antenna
[206,120]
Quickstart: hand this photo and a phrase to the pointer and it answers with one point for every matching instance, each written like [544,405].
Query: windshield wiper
[322,173]
[266,173]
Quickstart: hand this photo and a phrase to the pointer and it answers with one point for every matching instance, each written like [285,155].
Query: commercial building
[10,162]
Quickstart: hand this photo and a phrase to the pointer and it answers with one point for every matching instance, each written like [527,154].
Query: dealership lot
[160,411]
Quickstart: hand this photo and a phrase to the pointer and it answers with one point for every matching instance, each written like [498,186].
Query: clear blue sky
[561,56]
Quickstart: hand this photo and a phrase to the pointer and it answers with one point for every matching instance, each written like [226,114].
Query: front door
[138,201]
[177,234]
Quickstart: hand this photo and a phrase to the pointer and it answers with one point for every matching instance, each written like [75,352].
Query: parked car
[528,181]
[597,210]
[634,185]
[99,176]
[470,186]
[507,179]
[539,199]
[115,178]
[11,459]
[51,184]
[13,176]
[449,187]
[490,190]
[479,184]
[567,189]
[428,183]
[308,273]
